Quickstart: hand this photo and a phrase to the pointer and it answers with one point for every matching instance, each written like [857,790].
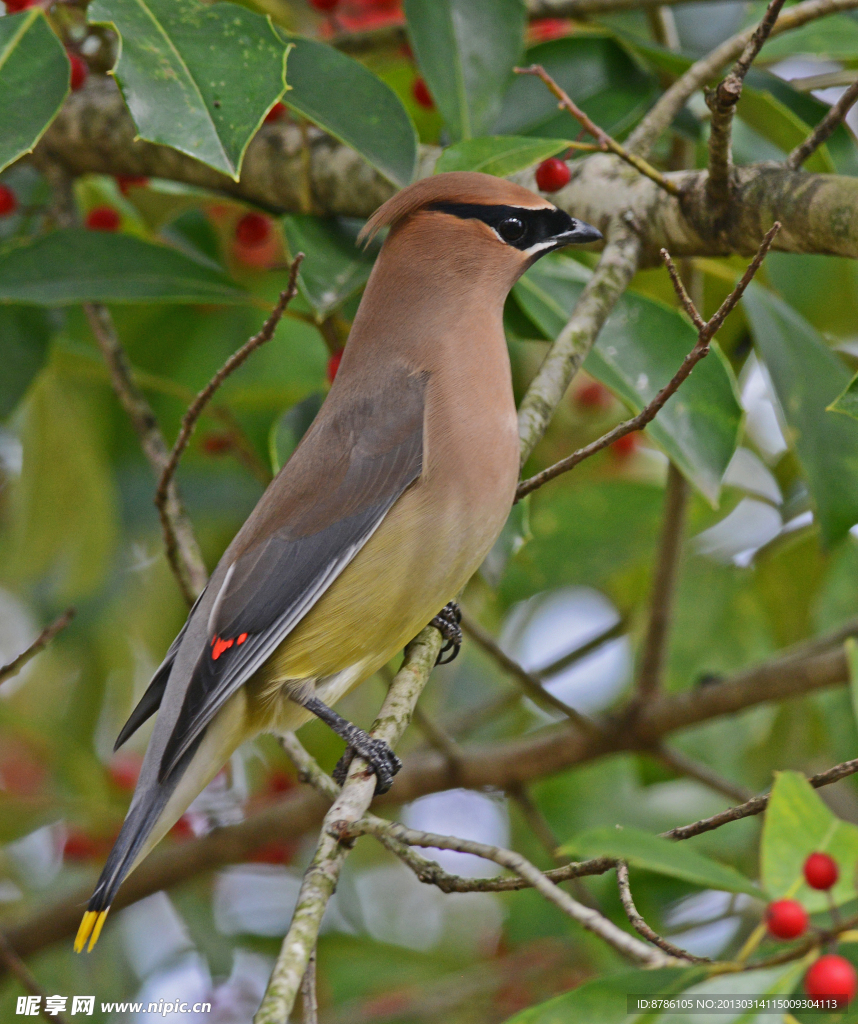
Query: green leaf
[288,429]
[63,525]
[598,74]
[605,1000]
[500,155]
[348,101]
[847,401]
[93,266]
[807,376]
[334,267]
[663,856]
[29,53]
[24,337]
[798,823]
[197,77]
[639,349]
[466,50]
[831,38]
[776,122]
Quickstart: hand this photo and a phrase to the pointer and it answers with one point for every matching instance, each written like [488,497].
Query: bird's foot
[376,753]
[447,623]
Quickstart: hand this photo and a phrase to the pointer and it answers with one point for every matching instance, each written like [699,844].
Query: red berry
[420,92]
[253,229]
[593,396]
[786,919]
[552,174]
[278,783]
[216,444]
[831,977]
[820,871]
[624,447]
[334,365]
[79,846]
[8,201]
[103,218]
[124,770]
[126,182]
[277,851]
[545,29]
[14,6]
[79,70]
[324,5]
[276,112]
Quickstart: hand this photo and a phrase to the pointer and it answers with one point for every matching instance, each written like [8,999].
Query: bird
[389,504]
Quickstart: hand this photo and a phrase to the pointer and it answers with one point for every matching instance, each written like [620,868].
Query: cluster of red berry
[831,976]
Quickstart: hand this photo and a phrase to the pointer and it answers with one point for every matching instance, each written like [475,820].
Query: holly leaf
[663,856]
[500,155]
[197,77]
[348,101]
[92,266]
[466,50]
[807,377]
[29,52]
[639,349]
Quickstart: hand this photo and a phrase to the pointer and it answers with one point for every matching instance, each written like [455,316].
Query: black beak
[577,234]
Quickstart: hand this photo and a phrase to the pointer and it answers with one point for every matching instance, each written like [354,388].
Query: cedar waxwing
[387,507]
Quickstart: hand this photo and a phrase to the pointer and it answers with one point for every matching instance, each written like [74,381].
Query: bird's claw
[378,756]
[447,623]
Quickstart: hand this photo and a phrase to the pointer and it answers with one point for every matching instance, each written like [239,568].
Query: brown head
[478,219]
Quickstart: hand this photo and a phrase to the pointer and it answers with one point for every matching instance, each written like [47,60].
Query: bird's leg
[447,623]
[376,753]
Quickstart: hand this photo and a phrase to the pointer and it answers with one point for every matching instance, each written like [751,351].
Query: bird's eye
[511,229]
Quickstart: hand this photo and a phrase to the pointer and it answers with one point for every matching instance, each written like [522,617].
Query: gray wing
[323,507]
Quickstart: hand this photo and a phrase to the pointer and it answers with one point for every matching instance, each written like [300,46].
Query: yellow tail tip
[90,928]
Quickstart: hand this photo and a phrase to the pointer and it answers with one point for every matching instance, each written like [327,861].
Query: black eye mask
[524,228]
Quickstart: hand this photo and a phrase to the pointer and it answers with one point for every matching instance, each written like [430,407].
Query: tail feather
[157,805]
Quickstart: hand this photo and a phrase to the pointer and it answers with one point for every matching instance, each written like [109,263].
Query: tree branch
[587,917]
[641,927]
[722,102]
[824,129]
[39,644]
[321,876]
[530,683]
[664,584]
[684,765]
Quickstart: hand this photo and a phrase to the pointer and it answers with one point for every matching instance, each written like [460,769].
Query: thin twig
[309,1000]
[824,129]
[528,682]
[16,967]
[590,919]
[189,421]
[722,102]
[39,644]
[641,927]
[664,585]
[646,415]
[184,554]
[604,140]
[685,765]
[437,737]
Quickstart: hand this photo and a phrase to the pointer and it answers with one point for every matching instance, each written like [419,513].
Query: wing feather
[350,469]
